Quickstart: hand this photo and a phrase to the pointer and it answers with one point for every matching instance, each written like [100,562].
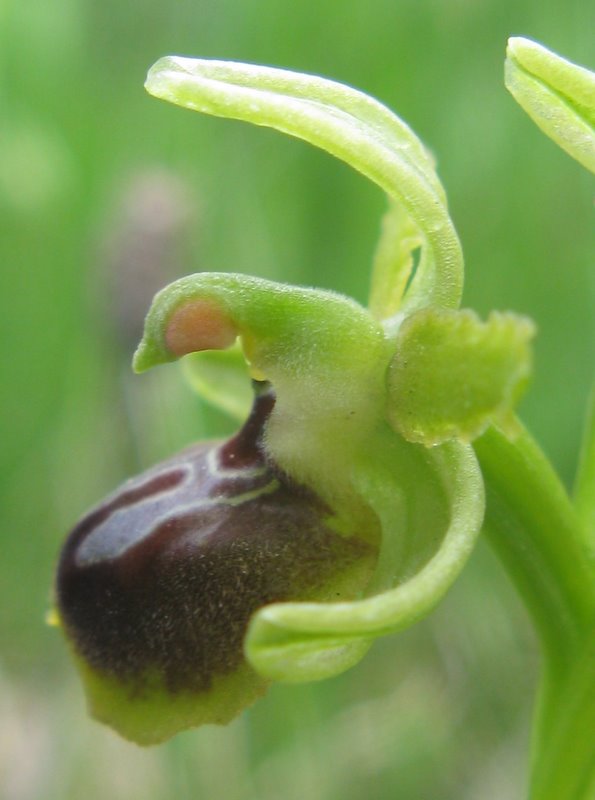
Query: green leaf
[452,375]
[558,95]
[346,123]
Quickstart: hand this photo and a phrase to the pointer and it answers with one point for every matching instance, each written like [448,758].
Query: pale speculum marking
[200,481]
[164,576]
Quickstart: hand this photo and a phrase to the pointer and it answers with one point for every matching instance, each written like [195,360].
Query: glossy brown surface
[165,574]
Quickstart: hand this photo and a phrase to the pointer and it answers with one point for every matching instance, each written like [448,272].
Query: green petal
[393,262]
[453,374]
[558,95]
[346,123]
[430,504]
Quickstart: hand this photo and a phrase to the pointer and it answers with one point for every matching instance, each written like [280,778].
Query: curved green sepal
[558,95]
[221,377]
[452,375]
[344,122]
[430,505]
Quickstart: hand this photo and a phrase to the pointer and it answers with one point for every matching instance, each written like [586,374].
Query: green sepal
[430,505]
[558,95]
[346,123]
[222,378]
[452,375]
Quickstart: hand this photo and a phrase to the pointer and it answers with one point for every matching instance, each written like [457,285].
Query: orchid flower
[351,497]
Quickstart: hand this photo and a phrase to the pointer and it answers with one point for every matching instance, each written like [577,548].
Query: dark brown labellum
[163,576]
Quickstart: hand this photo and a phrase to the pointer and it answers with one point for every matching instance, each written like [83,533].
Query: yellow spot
[256,374]
[249,347]
[52,618]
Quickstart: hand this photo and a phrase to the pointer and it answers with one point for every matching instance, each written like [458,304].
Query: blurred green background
[105,195]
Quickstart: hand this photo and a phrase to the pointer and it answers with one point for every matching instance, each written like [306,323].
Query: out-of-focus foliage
[105,195]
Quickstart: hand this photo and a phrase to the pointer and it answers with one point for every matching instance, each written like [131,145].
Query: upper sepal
[346,123]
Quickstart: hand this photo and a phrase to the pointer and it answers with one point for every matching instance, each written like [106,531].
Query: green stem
[534,529]
[564,743]
[537,534]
